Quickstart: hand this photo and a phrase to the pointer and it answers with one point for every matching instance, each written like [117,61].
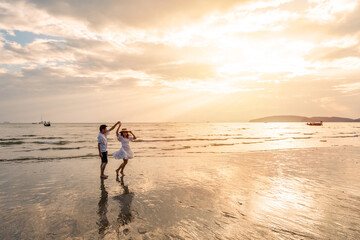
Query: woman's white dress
[125,151]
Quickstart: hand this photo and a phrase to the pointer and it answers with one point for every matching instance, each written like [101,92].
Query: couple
[125,153]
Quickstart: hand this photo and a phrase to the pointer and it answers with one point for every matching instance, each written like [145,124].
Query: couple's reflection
[103,222]
[124,198]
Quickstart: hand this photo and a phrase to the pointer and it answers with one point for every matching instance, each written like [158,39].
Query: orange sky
[172,60]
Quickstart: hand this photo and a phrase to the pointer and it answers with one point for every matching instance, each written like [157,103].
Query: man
[102,147]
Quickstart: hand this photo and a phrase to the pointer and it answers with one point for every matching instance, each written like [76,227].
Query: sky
[178,60]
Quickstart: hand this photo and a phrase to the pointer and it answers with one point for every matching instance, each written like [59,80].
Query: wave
[275,139]
[29,135]
[59,148]
[251,142]
[49,138]
[180,148]
[56,143]
[47,158]
[155,129]
[301,137]
[10,139]
[227,135]
[11,143]
[182,140]
[222,144]
[18,141]
[349,136]
[252,138]
[201,139]
[166,137]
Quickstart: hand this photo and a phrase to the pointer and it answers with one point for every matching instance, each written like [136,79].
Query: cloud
[350,24]
[348,87]
[38,52]
[24,16]
[135,13]
[278,54]
[333,53]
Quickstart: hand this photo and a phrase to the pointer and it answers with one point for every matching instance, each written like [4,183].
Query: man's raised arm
[112,128]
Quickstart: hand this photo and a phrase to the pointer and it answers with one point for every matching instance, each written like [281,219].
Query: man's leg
[103,171]
[103,164]
[102,167]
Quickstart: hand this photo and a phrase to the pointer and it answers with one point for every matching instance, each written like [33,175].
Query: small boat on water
[42,122]
[47,124]
[315,123]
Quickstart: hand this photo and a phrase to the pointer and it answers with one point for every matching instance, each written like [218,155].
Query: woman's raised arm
[117,130]
[133,135]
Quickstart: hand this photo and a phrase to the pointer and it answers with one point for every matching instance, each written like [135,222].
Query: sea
[35,142]
[187,181]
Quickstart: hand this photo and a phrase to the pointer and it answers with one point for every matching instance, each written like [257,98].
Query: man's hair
[102,127]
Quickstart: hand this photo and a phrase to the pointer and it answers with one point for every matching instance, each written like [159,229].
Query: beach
[299,193]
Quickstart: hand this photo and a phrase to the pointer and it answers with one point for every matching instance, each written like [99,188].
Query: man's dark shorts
[104,158]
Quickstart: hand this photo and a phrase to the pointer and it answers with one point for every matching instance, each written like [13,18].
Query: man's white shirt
[102,139]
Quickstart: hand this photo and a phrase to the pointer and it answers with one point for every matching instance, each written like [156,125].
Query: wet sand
[292,194]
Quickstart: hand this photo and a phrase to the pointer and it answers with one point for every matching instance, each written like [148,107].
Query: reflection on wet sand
[298,194]
[125,198]
[125,216]
[103,221]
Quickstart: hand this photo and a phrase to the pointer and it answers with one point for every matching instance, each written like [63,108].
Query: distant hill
[291,118]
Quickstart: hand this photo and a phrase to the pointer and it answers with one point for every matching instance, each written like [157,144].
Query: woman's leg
[123,166]
[120,167]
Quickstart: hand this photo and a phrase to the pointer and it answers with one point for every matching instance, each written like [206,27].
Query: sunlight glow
[258,57]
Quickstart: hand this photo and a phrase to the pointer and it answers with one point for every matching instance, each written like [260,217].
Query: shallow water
[302,193]
[24,142]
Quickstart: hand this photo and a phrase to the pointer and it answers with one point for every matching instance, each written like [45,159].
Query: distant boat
[47,124]
[315,123]
[42,122]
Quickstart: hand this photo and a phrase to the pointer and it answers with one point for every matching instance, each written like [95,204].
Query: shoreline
[191,154]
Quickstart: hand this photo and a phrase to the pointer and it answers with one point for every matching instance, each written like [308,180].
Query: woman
[125,152]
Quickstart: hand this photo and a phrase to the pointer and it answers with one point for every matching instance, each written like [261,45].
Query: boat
[42,122]
[47,124]
[315,123]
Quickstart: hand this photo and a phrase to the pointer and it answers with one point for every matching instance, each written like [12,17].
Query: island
[294,118]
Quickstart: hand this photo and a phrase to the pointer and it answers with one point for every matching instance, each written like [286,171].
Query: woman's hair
[122,133]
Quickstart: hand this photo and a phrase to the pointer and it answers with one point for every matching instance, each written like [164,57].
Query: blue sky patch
[24,37]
